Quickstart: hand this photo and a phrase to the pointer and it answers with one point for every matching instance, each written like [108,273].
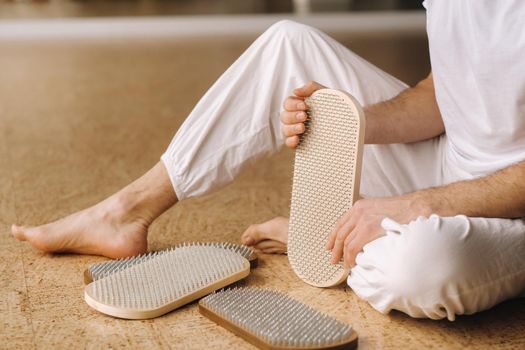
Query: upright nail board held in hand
[326,179]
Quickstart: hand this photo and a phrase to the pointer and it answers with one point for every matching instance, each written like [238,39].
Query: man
[438,232]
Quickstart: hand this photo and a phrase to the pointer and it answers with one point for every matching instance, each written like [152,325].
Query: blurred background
[88,8]
[389,33]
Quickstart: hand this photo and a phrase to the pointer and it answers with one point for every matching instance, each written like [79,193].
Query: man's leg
[434,267]
[237,120]
[116,227]
[235,123]
[442,267]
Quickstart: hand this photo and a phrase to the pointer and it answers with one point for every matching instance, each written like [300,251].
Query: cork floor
[80,120]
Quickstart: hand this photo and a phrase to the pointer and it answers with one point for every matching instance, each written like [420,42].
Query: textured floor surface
[80,120]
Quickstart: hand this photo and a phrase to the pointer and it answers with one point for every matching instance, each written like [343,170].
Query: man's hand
[294,114]
[397,120]
[499,195]
[362,224]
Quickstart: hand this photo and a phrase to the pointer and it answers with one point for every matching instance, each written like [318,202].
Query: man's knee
[289,29]
[416,268]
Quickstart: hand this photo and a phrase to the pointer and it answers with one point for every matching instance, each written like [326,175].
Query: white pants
[433,267]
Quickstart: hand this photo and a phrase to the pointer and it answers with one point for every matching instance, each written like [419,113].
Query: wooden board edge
[350,343]
[88,278]
[142,314]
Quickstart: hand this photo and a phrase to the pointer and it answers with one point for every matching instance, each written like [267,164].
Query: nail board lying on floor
[106,268]
[165,282]
[270,319]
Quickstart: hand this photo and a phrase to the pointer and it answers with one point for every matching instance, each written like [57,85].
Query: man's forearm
[411,116]
[499,195]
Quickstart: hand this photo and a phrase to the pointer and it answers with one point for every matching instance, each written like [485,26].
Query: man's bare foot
[108,228]
[116,227]
[269,237]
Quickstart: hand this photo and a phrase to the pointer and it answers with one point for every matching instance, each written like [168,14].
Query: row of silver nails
[104,269]
[277,318]
[170,276]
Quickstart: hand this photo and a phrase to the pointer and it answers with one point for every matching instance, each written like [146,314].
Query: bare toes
[37,236]
[249,236]
[271,247]
[19,232]
[267,244]
[42,239]
[274,251]
[275,229]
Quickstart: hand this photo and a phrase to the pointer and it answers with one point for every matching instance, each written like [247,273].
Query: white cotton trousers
[433,267]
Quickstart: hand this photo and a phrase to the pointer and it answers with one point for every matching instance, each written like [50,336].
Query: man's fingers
[294,104]
[345,224]
[292,141]
[337,251]
[331,240]
[345,229]
[293,129]
[293,117]
[349,250]
[308,89]
[333,234]
[349,255]
[342,221]
[367,231]
[354,247]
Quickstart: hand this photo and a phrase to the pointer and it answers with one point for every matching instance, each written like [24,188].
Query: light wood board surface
[326,178]
[80,120]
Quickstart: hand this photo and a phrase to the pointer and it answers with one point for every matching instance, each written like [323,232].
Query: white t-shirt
[477,52]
